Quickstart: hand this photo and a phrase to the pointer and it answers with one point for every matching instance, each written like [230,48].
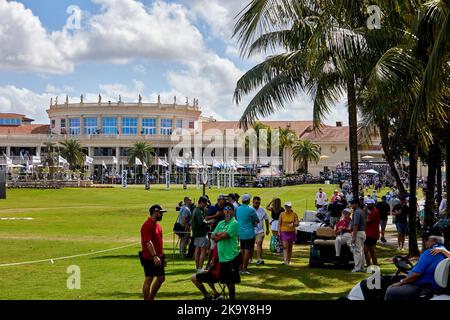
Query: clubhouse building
[107,129]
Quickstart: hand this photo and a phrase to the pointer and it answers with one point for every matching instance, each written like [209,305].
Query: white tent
[371,171]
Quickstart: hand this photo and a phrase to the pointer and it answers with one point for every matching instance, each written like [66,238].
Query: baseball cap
[222,197]
[347,210]
[156,206]
[370,201]
[203,199]
[288,204]
[246,197]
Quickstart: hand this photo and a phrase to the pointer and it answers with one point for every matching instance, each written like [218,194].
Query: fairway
[69,222]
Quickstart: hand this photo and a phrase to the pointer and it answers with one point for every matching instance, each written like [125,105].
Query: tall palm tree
[305,151]
[141,150]
[50,154]
[72,151]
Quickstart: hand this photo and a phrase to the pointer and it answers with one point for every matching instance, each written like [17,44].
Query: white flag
[8,160]
[88,160]
[138,162]
[104,165]
[115,161]
[162,163]
[62,160]
[36,160]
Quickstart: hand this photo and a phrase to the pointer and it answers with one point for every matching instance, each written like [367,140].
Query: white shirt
[262,215]
[443,206]
[321,198]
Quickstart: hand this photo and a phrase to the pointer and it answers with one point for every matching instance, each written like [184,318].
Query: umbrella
[371,171]
[324,157]
[367,157]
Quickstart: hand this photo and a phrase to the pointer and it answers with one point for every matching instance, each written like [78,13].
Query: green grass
[76,221]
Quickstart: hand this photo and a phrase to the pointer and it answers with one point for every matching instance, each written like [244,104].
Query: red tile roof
[329,134]
[25,129]
[12,115]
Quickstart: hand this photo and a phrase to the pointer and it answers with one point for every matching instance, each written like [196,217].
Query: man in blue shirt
[248,220]
[421,274]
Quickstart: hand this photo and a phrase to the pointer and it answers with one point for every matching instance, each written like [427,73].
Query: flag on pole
[21,156]
[138,162]
[29,167]
[62,160]
[162,163]
[115,161]
[104,165]
[8,160]
[88,160]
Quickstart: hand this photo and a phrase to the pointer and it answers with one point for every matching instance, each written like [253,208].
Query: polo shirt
[383,209]
[373,226]
[359,218]
[246,216]
[426,266]
[199,227]
[262,215]
[228,248]
[151,231]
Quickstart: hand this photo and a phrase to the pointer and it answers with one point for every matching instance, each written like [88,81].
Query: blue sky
[125,47]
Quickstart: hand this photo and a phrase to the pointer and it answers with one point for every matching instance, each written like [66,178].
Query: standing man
[200,233]
[259,229]
[247,220]
[372,232]
[214,216]
[321,198]
[233,198]
[335,211]
[184,219]
[400,212]
[384,209]
[358,225]
[152,254]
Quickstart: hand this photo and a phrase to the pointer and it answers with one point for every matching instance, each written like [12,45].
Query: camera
[180,204]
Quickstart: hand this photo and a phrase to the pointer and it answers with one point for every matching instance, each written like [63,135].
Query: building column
[139,125]
[38,150]
[100,123]
[118,159]
[8,151]
[81,125]
[119,124]
[174,124]
[158,125]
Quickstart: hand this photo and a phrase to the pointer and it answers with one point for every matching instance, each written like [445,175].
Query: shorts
[206,277]
[150,269]
[229,271]
[274,225]
[248,244]
[383,224]
[370,242]
[288,236]
[401,228]
[259,237]
[201,242]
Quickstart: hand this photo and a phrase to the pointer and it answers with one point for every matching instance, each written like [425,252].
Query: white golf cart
[308,225]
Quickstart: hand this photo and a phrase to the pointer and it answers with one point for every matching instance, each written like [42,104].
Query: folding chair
[223,290]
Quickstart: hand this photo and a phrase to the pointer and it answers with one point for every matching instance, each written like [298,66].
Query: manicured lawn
[77,221]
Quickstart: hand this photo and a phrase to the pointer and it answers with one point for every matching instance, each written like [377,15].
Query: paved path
[391,237]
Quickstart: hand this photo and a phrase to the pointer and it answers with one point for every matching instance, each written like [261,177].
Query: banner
[62,160]
[36,160]
[124,178]
[88,160]
[115,161]
[104,165]
[197,180]
[138,162]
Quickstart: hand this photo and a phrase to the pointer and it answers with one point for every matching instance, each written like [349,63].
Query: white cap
[288,204]
[347,210]
[370,201]
[246,197]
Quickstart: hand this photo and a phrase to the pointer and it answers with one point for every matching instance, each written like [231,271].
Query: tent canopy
[371,171]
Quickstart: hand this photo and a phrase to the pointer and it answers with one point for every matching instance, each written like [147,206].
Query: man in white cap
[247,220]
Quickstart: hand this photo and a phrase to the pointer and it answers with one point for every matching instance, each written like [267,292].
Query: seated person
[210,277]
[422,273]
[343,233]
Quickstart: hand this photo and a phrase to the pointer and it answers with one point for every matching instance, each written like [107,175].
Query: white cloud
[25,44]
[139,68]
[56,90]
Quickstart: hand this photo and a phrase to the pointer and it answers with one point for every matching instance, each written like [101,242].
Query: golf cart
[322,250]
[308,225]
[441,275]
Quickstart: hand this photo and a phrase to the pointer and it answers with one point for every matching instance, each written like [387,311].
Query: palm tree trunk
[384,134]
[433,154]
[413,159]
[447,171]
[439,177]
[353,136]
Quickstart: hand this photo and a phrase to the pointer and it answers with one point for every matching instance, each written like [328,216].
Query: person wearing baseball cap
[343,233]
[286,228]
[358,225]
[372,232]
[247,220]
[213,217]
[152,255]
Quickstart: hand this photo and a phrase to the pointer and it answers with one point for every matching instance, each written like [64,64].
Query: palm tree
[72,151]
[142,151]
[50,154]
[305,151]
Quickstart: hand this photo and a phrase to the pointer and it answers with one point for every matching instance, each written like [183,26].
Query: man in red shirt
[152,254]
[372,232]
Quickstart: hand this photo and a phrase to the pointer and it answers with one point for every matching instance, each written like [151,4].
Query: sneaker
[200,270]
[259,262]
[383,240]
[246,272]
[250,261]
[355,271]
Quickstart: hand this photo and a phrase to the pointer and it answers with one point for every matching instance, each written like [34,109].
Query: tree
[305,151]
[72,151]
[142,151]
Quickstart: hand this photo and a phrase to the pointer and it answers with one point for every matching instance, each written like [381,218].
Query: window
[179,124]
[129,126]
[74,126]
[148,126]
[191,124]
[104,152]
[166,127]
[63,123]
[53,124]
[109,125]
[90,125]
[2,121]
[8,121]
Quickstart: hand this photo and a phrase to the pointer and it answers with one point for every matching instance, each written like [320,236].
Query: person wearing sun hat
[286,228]
[247,220]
